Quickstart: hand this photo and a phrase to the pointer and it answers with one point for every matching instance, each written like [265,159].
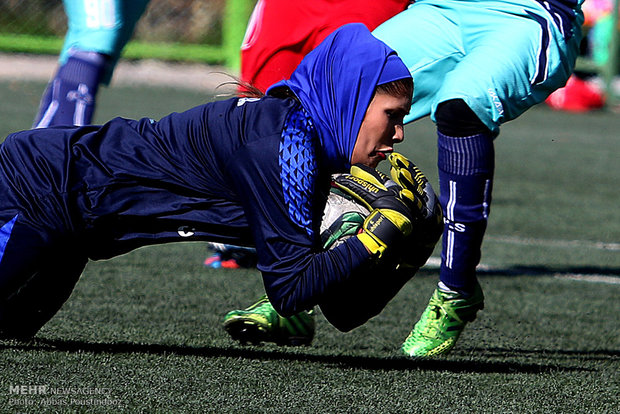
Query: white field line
[612,280]
[528,241]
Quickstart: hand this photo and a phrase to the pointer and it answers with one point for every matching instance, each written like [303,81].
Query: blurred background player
[279,34]
[98,30]
[475,64]
[584,90]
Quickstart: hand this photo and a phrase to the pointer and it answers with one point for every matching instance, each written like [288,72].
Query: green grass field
[141,333]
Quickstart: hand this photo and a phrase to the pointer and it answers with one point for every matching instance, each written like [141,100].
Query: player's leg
[516,65]
[466,164]
[227,256]
[98,31]
[35,280]
[515,68]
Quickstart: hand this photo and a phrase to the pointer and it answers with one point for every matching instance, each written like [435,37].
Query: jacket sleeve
[297,274]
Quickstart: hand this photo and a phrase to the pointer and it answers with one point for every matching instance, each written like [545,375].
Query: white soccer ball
[342,218]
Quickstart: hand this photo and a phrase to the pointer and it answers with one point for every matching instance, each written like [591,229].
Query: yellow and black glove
[419,245]
[407,175]
[390,219]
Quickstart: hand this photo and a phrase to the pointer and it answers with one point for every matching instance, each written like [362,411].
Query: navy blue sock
[70,97]
[466,167]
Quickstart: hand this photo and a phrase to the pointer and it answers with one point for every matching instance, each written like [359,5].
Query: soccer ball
[342,218]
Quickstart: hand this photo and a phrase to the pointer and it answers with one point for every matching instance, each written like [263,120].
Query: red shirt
[281,32]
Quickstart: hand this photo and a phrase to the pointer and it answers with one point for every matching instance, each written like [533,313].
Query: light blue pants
[500,57]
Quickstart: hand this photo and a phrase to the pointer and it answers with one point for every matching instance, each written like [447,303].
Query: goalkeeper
[247,171]
[476,64]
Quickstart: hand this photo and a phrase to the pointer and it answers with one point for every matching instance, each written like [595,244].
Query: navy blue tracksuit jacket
[241,171]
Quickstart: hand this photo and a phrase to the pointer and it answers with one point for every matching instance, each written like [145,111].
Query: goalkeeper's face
[381,129]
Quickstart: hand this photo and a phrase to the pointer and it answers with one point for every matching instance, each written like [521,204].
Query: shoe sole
[247,332]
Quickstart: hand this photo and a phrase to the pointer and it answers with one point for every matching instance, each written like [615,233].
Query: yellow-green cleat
[261,323]
[442,322]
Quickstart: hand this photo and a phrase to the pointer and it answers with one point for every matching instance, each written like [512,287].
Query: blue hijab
[336,82]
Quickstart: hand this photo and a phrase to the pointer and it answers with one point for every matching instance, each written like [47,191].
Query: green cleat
[261,323]
[442,322]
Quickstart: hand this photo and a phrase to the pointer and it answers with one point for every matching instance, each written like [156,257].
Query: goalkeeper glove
[390,219]
[418,247]
[407,175]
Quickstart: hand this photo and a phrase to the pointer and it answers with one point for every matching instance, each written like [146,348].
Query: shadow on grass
[597,355]
[252,353]
[540,271]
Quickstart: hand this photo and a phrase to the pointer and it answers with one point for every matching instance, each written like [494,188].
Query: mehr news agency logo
[45,395]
